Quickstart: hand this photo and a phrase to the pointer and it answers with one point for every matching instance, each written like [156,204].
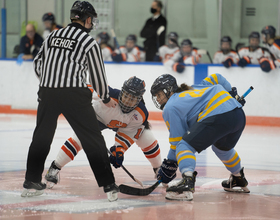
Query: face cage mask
[225,51]
[154,98]
[125,108]
[186,53]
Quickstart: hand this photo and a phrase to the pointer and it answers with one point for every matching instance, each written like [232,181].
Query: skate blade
[28,193]
[112,196]
[240,190]
[185,196]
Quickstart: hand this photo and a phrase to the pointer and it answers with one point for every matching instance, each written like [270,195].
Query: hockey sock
[185,155]
[152,153]
[230,159]
[67,152]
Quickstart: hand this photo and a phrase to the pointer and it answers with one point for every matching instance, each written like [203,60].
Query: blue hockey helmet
[104,37]
[269,30]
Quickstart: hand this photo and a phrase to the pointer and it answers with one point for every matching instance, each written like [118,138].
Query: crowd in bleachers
[173,55]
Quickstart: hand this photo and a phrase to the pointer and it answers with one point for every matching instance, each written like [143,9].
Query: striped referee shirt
[68,58]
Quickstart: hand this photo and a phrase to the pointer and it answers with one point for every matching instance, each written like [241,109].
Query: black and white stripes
[69,57]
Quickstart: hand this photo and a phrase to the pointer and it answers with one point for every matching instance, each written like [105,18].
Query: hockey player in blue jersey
[198,117]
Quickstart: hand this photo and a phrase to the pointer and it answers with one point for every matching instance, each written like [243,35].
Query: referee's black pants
[75,105]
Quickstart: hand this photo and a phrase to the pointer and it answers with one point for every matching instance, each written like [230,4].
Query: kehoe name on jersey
[63,43]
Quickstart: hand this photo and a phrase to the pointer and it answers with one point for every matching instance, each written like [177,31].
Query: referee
[67,58]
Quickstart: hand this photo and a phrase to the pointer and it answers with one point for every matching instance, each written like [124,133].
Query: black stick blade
[129,190]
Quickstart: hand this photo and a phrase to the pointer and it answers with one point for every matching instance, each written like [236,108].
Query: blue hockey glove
[117,157]
[228,62]
[244,61]
[179,67]
[167,171]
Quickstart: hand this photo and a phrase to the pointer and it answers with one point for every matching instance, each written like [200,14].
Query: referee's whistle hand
[111,104]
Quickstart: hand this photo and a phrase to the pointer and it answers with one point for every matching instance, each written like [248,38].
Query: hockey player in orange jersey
[130,122]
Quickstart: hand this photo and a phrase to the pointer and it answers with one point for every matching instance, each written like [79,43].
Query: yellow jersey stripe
[173,147]
[175,139]
[182,152]
[213,107]
[219,94]
[215,78]
[233,165]
[186,157]
[209,80]
[232,159]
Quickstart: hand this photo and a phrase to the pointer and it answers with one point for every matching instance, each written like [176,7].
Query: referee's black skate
[29,188]
[112,192]
[52,176]
[183,190]
[236,181]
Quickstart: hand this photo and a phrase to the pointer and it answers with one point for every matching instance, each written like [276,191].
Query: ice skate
[112,192]
[183,190]
[236,181]
[37,189]
[52,176]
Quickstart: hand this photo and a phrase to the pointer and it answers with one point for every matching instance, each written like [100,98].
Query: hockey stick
[115,39]
[203,52]
[137,191]
[246,93]
[237,46]
[129,174]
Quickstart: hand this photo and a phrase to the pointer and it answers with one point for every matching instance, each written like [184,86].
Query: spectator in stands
[154,38]
[30,43]
[252,53]
[186,55]
[226,55]
[49,23]
[272,43]
[168,50]
[130,52]
[106,49]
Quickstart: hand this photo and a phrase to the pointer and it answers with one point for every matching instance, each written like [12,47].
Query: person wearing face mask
[252,53]
[68,59]
[186,55]
[226,55]
[130,52]
[149,31]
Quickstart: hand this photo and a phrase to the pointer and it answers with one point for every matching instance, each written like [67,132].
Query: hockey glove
[167,171]
[178,67]
[266,64]
[116,159]
[117,57]
[235,95]
[228,62]
[244,61]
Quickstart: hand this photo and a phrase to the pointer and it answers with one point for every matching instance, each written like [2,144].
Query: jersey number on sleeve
[193,93]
